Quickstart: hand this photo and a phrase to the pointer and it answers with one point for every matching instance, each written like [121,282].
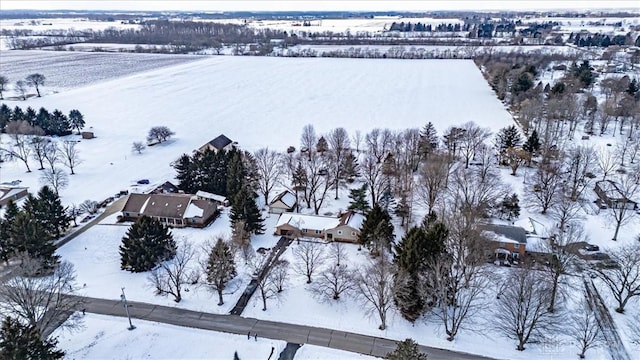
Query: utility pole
[123,298]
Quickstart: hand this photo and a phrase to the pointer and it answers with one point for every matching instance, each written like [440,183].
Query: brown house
[345,228]
[176,210]
[507,244]
[11,193]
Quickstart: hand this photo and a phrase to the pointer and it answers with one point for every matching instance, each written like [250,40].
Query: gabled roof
[513,233]
[9,192]
[220,142]
[311,222]
[352,219]
[286,197]
[175,206]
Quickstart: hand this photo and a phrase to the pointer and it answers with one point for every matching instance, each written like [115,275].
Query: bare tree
[38,145]
[171,275]
[21,88]
[623,280]
[241,239]
[606,162]
[56,178]
[333,282]
[308,139]
[269,285]
[20,149]
[585,329]
[547,187]
[475,190]
[472,137]
[220,267]
[42,301]
[634,327]
[89,206]
[523,312]
[269,171]
[36,80]
[339,146]
[374,288]
[373,177]
[563,261]
[70,155]
[432,182]
[310,257]
[280,274]
[565,211]
[4,81]
[159,134]
[579,161]
[357,140]
[338,253]
[52,154]
[317,180]
[621,213]
[138,147]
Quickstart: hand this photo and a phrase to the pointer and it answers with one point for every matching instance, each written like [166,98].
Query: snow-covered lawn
[312,352]
[107,337]
[96,258]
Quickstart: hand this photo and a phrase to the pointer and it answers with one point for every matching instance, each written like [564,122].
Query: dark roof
[168,187]
[160,205]
[220,142]
[515,233]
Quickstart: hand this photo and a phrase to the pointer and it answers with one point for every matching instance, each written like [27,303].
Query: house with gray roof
[218,144]
[175,210]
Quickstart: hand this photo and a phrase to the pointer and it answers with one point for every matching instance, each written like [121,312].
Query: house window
[305,230]
[339,232]
[516,246]
[318,231]
[501,244]
[515,255]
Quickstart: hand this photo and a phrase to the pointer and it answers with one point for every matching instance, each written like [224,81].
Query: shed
[88,135]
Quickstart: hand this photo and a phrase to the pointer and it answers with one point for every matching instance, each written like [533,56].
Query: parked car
[143,181]
[591,247]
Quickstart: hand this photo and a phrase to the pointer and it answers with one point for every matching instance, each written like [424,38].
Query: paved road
[291,333]
[605,322]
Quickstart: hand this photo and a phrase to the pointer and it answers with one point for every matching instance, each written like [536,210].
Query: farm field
[258,102]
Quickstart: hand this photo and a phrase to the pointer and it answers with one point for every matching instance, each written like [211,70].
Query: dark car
[143,181]
[590,247]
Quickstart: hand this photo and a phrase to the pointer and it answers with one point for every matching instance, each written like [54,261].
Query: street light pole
[123,298]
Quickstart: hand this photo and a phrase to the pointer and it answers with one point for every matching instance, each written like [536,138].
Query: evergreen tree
[376,232]
[43,120]
[47,208]
[186,175]
[28,235]
[59,124]
[322,146]
[508,137]
[221,267]
[244,208]
[236,174]
[235,356]
[402,209]
[523,82]
[5,116]
[17,114]
[350,167]
[532,145]
[428,139]
[510,206]
[358,200]
[632,89]
[30,116]
[7,247]
[147,243]
[407,350]
[23,342]
[76,120]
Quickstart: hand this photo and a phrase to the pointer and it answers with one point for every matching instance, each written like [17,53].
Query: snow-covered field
[65,70]
[256,101]
[107,337]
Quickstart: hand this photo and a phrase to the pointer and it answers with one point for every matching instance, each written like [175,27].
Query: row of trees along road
[48,123]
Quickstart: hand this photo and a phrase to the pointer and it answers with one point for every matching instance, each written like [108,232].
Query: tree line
[43,121]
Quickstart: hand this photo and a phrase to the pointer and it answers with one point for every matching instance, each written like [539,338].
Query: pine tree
[407,350]
[532,145]
[428,139]
[7,247]
[322,145]
[221,267]
[508,137]
[350,167]
[510,206]
[28,235]
[76,120]
[17,114]
[236,174]
[376,232]
[244,208]
[186,175]
[5,116]
[19,341]
[47,208]
[358,200]
[59,124]
[147,243]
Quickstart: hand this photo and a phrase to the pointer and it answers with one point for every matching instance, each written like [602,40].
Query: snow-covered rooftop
[210,196]
[193,211]
[538,245]
[312,222]
[287,198]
